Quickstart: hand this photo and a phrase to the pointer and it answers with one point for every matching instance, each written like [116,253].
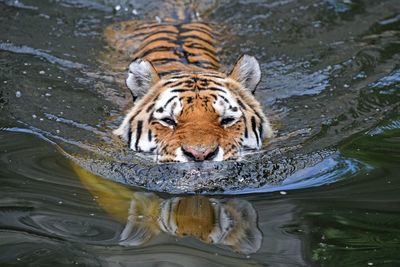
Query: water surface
[325,193]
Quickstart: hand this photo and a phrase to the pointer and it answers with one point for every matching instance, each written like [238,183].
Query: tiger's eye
[226,121]
[169,121]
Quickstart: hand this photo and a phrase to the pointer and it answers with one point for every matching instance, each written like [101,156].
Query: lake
[324,192]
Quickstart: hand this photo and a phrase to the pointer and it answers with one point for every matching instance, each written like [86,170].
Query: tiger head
[195,115]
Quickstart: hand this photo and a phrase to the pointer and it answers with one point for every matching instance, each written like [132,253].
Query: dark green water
[331,82]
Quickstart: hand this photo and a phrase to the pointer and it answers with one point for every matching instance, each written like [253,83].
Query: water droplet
[18,94]
[283,192]
[117,7]
[47,94]
[134,12]
[34,116]
[42,72]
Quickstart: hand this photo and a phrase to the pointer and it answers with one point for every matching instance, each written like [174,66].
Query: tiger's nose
[200,153]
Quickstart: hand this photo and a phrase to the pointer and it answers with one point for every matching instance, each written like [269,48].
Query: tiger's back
[171,46]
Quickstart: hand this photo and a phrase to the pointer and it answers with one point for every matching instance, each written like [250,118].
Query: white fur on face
[231,105]
[167,106]
[182,158]
[227,107]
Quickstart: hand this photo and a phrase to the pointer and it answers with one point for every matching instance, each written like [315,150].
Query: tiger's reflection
[231,222]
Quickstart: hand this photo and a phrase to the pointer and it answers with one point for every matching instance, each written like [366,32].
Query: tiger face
[195,116]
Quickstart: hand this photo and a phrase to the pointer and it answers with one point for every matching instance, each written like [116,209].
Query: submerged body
[186,109]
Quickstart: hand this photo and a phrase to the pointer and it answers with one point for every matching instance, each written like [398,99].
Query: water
[325,193]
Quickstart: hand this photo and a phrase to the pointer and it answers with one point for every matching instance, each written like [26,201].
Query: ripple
[207,177]
[39,53]
[394,125]
[328,171]
[86,229]
[24,249]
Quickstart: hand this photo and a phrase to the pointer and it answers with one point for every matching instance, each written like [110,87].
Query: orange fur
[184,55]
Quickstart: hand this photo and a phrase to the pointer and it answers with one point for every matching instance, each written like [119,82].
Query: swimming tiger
[185,108]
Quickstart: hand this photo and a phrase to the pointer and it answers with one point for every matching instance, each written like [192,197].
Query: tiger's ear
[247,72]
[141,77]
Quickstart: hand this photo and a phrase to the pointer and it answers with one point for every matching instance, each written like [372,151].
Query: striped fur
[230,222]
[186,109]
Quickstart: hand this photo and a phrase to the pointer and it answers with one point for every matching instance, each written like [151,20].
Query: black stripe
[254,128]
[153,50]
[164,73]
[195,27]
[129,136]
[181,76]
[169,100]
[197,37]
[178,83]
[214,96]
[149,135]
[224,98]
[152,25]
[180,90]
[258,115]
[148,34]
[207,54]
[203,25]
[138,134]
[202,63]
[241,104]
[150,117]
[158,32]
[130,129]
[213,76]
[200,47]
[169,82]
[216,83]
[168,39]
[197,30]
[161,61]
[246,133]
[214,89]
[149,108]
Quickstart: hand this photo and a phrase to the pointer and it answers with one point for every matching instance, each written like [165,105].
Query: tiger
[231,222]
[185,108]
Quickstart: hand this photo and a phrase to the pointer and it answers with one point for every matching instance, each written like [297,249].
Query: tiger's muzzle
[200,153]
